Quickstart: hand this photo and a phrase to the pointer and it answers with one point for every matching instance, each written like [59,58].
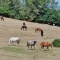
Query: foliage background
[40,11]
[56,43]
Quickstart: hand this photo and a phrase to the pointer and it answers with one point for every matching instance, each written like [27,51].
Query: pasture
[12,28]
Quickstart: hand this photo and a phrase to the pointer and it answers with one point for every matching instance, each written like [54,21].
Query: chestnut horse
[45,44]
[38,29]
[1,17]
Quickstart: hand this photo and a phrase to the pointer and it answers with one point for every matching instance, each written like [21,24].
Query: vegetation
[56,43]
[15,49]
[41,11]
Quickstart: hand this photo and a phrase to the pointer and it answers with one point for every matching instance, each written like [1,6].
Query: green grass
[22,50]
[15,49]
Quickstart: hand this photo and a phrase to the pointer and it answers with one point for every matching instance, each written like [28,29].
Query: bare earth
[12,28]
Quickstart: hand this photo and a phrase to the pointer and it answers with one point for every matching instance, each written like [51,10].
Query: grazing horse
[31,43]
[24,27]
[45,44]
[1,17]
[38,29]
[14,39]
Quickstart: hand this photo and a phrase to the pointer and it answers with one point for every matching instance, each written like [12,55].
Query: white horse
[14,39]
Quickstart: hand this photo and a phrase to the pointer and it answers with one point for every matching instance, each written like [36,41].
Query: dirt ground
[12,28]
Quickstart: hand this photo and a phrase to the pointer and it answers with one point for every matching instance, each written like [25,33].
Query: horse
[45,44]
[38,29]
[24,27]
[14,39]
[31,43]
[1,17]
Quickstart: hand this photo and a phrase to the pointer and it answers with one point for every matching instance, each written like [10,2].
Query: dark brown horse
[1,17]
[38,29]
[45,44]
[24,27]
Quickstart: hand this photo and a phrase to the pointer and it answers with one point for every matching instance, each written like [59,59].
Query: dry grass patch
[12,28]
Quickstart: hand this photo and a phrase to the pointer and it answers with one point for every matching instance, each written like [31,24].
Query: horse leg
[18,42]
[42,46]
[10,43]
[3,19]
[25,29]
[31,47]
[27,46]
[34,47]
[47,48]
[35,31]
[21,28]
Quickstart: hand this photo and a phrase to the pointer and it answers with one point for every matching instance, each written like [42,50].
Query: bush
[56,43]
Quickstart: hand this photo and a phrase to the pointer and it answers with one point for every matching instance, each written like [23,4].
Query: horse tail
[26,27]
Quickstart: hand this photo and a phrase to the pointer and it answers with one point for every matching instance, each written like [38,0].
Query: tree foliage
[36,10]
[56,43]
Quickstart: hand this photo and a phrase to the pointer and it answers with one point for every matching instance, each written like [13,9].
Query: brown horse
[24,27]
[38,29]
[45,44]
[1,17]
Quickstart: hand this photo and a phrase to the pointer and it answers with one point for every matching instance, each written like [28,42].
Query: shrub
[56,43]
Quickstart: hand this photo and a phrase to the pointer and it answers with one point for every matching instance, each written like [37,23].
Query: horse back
[47,44]
[38,29]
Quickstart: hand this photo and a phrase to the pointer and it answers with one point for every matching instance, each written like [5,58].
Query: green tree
[36,9]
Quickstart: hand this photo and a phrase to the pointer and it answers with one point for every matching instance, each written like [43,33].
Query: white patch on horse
[30,42]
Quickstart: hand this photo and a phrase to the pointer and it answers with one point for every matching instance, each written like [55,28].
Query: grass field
[12,28]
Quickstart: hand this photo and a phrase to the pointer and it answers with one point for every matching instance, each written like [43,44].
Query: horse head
[50,44]
[35,42]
